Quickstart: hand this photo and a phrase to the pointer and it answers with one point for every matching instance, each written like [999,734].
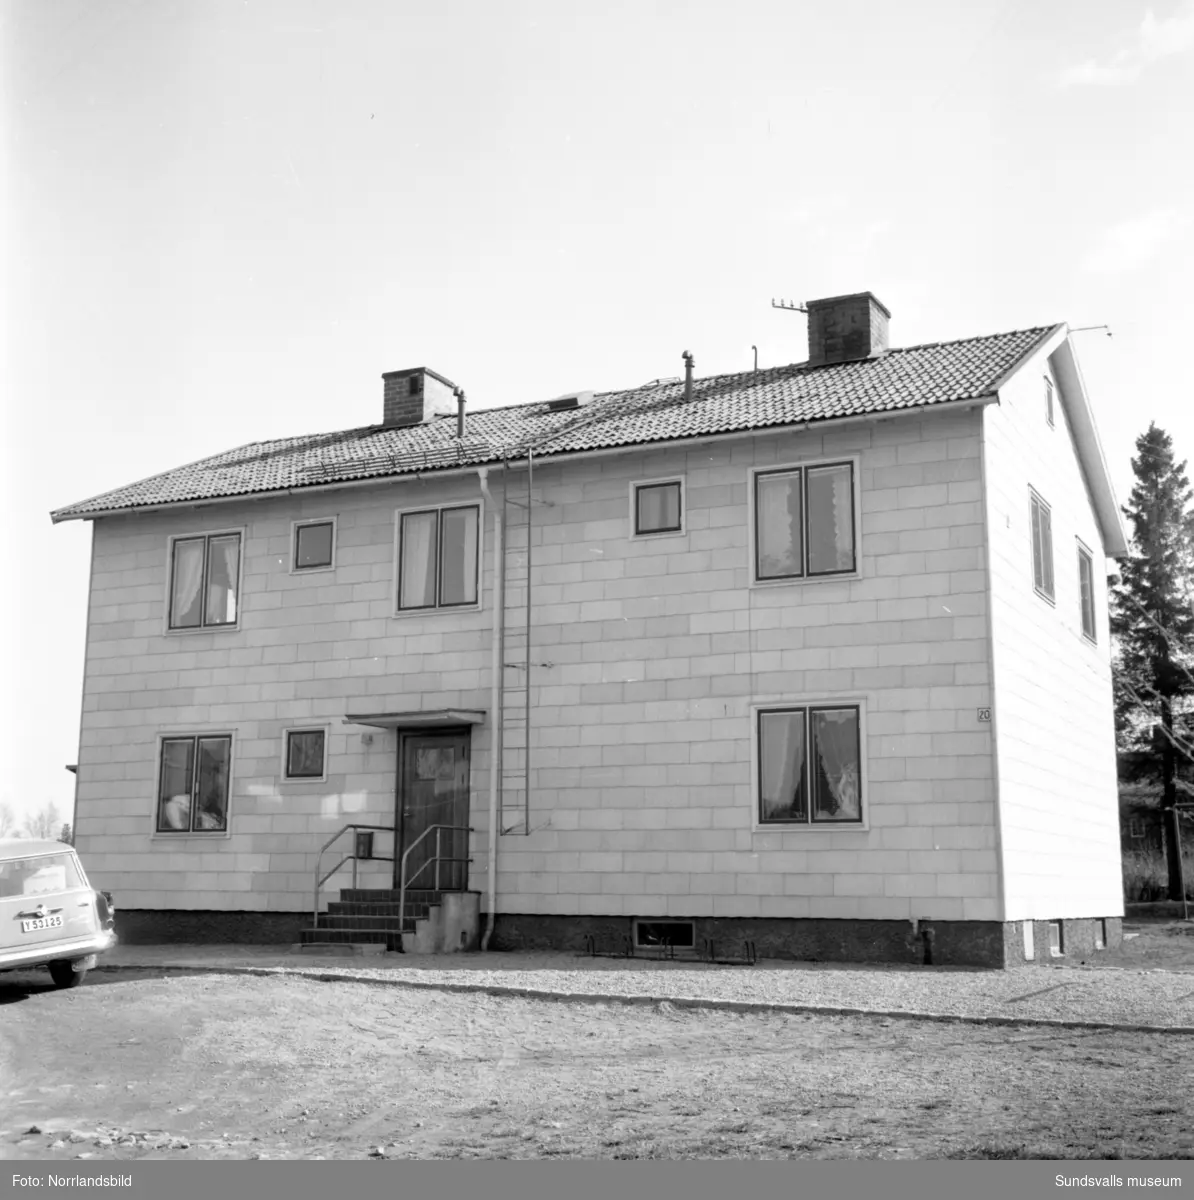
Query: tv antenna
[1086,328]
[789,305]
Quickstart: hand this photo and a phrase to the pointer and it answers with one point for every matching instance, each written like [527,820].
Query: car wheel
[64,975]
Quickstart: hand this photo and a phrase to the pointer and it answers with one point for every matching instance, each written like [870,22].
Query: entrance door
[433,789]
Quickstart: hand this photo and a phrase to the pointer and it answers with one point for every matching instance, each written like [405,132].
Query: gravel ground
[1132,997]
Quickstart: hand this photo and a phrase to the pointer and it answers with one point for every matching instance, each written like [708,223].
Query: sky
[224,219]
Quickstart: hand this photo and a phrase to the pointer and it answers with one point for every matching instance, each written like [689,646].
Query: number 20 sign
[984,714]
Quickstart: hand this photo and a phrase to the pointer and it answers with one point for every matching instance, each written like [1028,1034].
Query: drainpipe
[495,756]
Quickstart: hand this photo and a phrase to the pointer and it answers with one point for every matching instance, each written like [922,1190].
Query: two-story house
[815,656]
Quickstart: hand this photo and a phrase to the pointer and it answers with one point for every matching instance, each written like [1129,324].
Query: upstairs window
[193,784]
[658,508]
[204,577]
[804,522]
[314,545]
[1048,399]
[1042,548]
[1086,591]
[438,558]
[810,766]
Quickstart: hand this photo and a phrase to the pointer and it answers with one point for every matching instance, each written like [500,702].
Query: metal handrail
[404,883]
[320,880]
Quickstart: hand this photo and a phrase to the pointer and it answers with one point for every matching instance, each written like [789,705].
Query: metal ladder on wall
[518,667]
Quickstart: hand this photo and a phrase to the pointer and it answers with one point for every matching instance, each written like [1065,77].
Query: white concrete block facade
[644,788]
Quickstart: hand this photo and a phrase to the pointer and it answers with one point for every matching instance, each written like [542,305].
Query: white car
[50,916]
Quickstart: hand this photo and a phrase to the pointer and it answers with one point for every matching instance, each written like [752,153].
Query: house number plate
[984,714]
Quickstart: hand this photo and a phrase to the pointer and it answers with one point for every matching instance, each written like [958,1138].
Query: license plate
[41,923]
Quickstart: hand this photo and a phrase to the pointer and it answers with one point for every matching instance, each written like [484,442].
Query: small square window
[657,508]
[305,751]
[313,545]
[1049,400]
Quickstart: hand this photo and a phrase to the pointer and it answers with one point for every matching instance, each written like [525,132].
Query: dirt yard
[155,1064]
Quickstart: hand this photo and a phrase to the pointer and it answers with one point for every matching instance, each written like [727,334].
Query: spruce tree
[1152,620]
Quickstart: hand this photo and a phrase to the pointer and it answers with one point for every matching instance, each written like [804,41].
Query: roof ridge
[906,378]
[978,337]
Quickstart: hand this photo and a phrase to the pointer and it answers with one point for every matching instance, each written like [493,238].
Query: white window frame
[1050,401]
[1084,552]
[858,700]
[438,610]
[218,531]
[191,835]
[286,777]
[295,526]
[854,461]
[632,524]
[1048,597]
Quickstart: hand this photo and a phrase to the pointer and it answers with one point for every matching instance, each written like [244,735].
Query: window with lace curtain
[810,765]
[804,522]
[193,784]
[204,581]
[438,558]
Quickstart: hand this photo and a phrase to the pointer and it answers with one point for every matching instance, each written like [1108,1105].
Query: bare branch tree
[43,824]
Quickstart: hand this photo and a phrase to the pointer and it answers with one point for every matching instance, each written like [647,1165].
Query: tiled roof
[791,395]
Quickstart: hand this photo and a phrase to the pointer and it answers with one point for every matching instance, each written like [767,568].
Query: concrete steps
[364,918]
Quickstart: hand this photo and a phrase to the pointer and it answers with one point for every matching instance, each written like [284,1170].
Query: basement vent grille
[681,935]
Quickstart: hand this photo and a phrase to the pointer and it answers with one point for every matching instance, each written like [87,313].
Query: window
[1048,399]
[39,876]
[193,785]
[305,751]
[437,558]
[204,573]
[804,522]
[314,545]
[1042,547]
[1056,939]
[1100,934]
[657,508]
[1086,591]
[810,766]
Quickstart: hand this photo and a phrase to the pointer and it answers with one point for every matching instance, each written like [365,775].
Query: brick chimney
[846,329]
[416,396]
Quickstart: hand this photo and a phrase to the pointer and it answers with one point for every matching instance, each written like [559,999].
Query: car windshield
[33,876]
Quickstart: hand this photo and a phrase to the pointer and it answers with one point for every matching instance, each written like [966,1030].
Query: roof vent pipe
[688,364]
[459,393]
